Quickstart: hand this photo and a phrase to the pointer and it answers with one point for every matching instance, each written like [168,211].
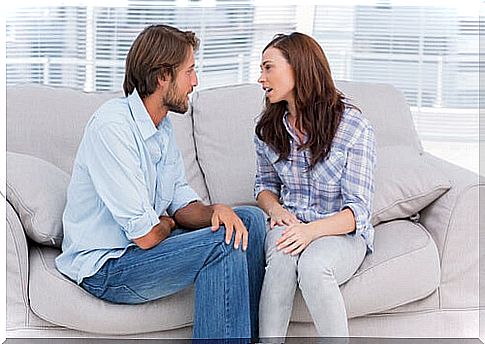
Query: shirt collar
[142,118]
[290,129]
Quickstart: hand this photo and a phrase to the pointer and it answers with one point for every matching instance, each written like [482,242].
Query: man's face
[177,97]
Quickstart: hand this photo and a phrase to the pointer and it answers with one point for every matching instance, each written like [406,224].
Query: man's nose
[195,80]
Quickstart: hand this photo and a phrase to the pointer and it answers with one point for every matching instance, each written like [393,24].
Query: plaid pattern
[345,179]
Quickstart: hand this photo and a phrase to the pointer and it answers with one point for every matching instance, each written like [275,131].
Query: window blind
[430,53]
[85,47]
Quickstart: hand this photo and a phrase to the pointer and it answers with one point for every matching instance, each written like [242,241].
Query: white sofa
[422,280]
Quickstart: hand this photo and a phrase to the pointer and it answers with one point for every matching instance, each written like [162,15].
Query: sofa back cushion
[48,122]
[387,109]
[224,121]
[225,117]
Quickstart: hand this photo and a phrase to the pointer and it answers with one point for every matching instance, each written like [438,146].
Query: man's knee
[250,214]
[254,219]
[220,234]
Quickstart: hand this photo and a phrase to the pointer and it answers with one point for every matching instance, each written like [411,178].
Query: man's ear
[163,81]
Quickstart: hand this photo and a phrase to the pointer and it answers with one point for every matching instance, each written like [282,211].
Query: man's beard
[174,101]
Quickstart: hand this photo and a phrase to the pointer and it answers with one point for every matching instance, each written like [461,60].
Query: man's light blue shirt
[127,173]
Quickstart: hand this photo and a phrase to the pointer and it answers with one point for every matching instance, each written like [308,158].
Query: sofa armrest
[18,309]
[453,222]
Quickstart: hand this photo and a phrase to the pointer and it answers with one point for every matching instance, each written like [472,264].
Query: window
[85,47]
[429,51]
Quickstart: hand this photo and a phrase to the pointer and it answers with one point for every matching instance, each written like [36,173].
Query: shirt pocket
[326,175]
[168,181]
[168,173]
[166,186]
[282,167]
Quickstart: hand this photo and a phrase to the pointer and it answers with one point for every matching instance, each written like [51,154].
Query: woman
[315,155]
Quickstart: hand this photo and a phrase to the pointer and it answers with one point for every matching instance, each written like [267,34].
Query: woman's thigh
[342,255]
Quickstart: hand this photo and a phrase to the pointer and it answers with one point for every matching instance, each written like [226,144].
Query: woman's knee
[314,270]
[280,262]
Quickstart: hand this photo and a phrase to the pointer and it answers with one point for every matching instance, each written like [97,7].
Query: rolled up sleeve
[266,176]
[358,179]
[141,225]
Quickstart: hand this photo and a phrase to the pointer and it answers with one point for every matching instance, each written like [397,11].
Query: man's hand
[224,215]
[280,216]
[296,238]
[168,221]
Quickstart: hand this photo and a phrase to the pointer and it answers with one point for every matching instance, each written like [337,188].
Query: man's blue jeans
[227,281]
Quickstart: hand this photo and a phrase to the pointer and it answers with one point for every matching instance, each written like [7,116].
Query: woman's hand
[296,238]
[279,216]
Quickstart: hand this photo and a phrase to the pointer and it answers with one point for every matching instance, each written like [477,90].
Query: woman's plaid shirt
[344,179]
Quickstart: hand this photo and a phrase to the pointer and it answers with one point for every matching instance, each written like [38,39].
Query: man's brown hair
[157,52]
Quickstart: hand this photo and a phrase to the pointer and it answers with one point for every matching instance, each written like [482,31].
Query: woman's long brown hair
[319,104]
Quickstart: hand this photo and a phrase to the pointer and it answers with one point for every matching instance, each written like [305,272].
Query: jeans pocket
[122,294]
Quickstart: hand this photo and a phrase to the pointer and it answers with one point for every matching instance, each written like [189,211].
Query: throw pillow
[405,183]
[37,191]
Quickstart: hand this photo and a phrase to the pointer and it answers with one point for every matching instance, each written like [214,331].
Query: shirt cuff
[141,225]
[258,189]
[361,217]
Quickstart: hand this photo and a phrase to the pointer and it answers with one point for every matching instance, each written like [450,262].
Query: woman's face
[277,76]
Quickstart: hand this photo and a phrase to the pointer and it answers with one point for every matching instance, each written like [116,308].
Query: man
[128,193]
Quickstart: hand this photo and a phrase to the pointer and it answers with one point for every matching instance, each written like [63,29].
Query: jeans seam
[156,258]
[226,297]
[143,299]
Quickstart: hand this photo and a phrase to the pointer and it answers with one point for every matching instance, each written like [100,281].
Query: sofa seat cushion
[404,268]
[56,299]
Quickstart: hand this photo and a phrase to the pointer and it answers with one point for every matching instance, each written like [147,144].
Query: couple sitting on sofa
[135,231]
